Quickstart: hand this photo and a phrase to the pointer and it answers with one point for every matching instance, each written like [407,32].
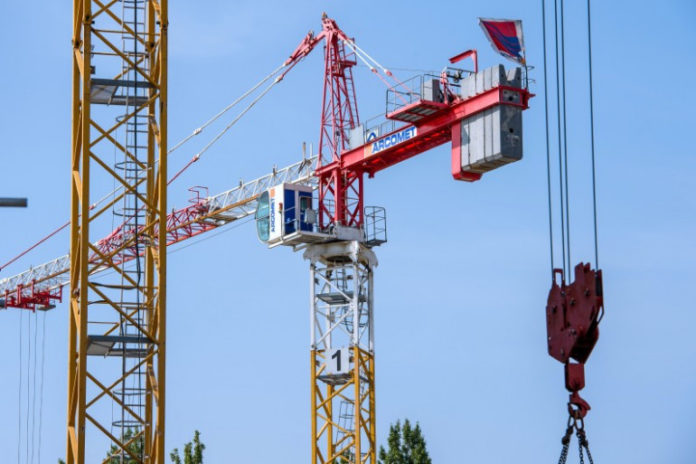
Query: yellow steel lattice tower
[116,354]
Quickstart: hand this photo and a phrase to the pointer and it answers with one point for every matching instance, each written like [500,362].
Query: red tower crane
[479,112]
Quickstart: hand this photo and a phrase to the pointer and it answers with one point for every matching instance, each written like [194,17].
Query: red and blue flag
[505,36]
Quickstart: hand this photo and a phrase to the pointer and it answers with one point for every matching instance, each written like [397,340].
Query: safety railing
[409,92]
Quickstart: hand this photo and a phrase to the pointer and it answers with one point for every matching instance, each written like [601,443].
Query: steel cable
[548,152]
[26,438]
[560,160]
[33,395]
[565,136]
[41,382]
[197,131]
[19,396]
[592,136]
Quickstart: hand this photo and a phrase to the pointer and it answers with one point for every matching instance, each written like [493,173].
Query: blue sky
[462,283]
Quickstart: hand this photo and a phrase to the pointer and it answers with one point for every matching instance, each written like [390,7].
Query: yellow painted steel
[356,446]
[96,383]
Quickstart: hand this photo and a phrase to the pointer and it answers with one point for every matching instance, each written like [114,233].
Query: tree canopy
[406,445]
[193,451]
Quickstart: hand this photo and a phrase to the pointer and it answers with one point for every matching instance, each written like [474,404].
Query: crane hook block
[573,313]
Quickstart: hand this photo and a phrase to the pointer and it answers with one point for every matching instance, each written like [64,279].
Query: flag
[505,35]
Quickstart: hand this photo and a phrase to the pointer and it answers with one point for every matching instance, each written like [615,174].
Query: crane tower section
[342,352]
[116,354]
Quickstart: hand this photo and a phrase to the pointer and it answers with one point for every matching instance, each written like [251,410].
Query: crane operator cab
[285,216]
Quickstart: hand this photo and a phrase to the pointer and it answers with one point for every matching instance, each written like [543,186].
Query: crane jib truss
[40,287]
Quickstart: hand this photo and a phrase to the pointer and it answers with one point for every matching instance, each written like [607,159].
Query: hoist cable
[33,394]
[565,136]
[41,382]
[19,396]
[592,136]
[560,159]
[26,438]
[548,153]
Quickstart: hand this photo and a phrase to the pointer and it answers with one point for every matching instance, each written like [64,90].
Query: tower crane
[479,112]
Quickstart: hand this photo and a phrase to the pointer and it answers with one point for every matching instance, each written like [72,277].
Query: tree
[346,458]
[406,445]
[193,451]
[136,447]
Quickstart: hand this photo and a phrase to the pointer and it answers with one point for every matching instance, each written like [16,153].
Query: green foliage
[136,447]
[406,445]
[193,451]
[346,458]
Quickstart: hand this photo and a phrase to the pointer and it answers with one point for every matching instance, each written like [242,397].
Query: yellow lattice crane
[117,319]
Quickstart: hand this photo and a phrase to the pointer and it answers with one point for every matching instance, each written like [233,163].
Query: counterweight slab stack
[116,364]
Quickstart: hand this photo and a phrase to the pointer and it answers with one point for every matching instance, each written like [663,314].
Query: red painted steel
[32,299]
[182,224]
[573,312]
[340,169]
[433,131]
[469,53]
[339,115]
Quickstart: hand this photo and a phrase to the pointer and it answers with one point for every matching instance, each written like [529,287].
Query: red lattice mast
[340,192]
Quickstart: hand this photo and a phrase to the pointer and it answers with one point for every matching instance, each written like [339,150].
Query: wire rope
[33,394]
[26,438]
[592,135]
[548,152]
[239,116]
[196,157]
[41,382]
[560,160]
[565,137]
[200,129]
[19,396]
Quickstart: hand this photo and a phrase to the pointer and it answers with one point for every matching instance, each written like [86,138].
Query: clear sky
[462,283]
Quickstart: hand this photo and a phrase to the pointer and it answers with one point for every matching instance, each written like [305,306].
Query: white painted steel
[55,273]
[341,295]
